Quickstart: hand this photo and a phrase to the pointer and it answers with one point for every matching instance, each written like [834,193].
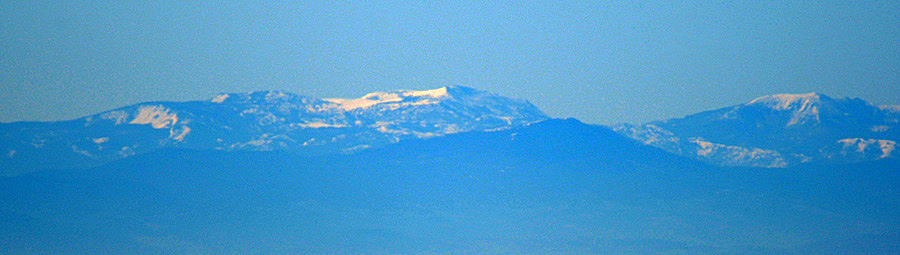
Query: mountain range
[451,170]
[258,121]
[771,131]
[778,131]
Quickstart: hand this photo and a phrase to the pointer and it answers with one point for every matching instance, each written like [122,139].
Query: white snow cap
[434,93]
[156,115]
[220,98]
[789,101]
[411,97]
[805,107]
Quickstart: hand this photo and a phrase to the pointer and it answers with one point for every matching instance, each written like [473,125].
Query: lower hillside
[552,187]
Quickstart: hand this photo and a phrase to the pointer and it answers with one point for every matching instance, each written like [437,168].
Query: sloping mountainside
[551,187]
[258,121]
[778,131]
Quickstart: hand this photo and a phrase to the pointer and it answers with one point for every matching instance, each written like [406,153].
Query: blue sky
[599,62]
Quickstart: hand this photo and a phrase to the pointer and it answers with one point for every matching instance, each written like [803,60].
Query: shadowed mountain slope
[551,187]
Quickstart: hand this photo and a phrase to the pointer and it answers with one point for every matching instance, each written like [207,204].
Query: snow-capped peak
[275,120]
[782,102]
[804,107]
[220,98]
[365,101]
[434,93]
[409,97]
[157,116]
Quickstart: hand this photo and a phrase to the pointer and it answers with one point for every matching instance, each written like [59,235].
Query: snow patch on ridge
[403,97]
[880,128]
[273,95]
[179,136]
[434,93]
[319,125]
[886,147]
[220,98]
[788,101]
[740,155]
[82,152]
[126,152]
[698,147]
[366,101]
[155,115]
[118,116]
[805,106]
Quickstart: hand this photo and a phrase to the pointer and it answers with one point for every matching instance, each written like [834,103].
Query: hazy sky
[598,62]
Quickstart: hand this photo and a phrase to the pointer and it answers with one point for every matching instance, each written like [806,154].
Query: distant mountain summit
[778,131]
[262,120]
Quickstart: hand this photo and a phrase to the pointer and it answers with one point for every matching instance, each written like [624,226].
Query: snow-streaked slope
[804,107]
[789,101]
[778,131]
[262,120]
[715,153]
[394,100]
